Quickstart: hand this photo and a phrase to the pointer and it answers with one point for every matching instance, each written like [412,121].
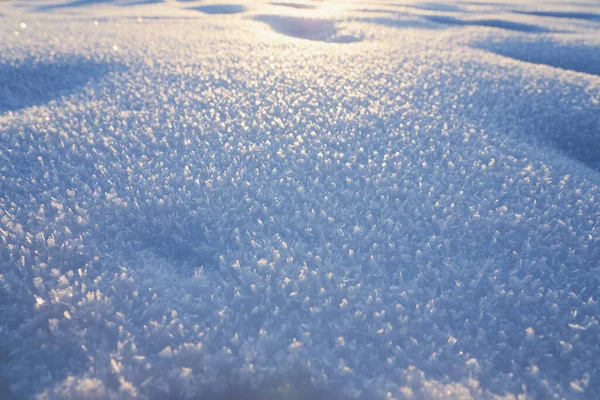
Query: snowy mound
[299,200]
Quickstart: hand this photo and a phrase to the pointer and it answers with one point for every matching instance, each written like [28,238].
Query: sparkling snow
[299,200]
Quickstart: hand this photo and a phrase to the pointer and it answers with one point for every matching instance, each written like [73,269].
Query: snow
[221,9]
[308,199]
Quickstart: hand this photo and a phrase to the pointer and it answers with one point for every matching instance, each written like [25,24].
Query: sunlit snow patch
[308,28]
[300,6]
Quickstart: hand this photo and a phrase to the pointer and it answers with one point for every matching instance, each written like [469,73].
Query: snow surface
[299,200]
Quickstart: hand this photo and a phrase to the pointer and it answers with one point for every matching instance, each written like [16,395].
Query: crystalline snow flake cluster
[299,200]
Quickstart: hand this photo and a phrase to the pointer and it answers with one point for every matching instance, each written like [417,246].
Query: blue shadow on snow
[563,14]
[83,3]
[577,57]
[220,9]
[76,3]
[490,23]
[34,84]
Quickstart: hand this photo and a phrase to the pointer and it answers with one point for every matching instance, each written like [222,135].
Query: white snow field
[299,200]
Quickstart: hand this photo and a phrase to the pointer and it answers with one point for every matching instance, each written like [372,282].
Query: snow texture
[299,200]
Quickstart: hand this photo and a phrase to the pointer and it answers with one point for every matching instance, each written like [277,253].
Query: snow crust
[299,200]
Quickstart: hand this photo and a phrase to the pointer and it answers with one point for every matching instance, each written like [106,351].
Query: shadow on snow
[33,84]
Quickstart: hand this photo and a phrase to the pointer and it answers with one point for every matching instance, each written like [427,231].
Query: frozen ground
[308,200]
